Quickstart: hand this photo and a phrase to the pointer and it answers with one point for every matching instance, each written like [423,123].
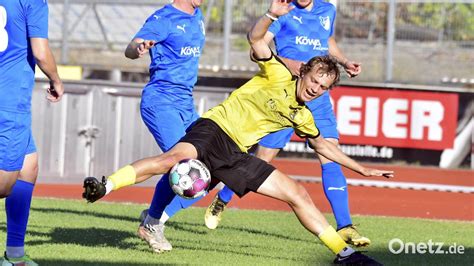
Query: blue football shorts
[167,123]
[16,140]
[324,118]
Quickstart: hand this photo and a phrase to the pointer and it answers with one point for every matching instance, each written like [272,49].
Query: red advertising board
[396,118]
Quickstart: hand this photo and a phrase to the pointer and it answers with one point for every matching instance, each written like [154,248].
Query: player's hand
[55,91]
[144,47]
[280,7]
[376,172]
[352,69]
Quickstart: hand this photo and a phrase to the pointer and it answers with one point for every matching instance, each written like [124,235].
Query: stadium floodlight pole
[390,40]
[227,32]
[65,33]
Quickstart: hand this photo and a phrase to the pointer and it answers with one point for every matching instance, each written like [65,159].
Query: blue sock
[17,207]
[161,198]
[335,188]
[178,204]
[226,194]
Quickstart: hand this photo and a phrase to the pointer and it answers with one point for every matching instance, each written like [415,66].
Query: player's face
[313,84]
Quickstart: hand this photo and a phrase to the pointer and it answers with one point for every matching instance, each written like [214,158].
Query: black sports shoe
[93,189]
[356,258]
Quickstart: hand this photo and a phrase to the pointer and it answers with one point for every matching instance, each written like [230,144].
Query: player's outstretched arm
[256,36]
[332,152]
[352,68]
[293,65]
[45,61]
[138,47]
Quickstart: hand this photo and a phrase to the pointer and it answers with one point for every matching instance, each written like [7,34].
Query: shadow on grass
[89,237]
[100,237]
[107,237]
[190,227]
[91,263]
[92,213]
[103,237]
[30,231]
[200,229]
[94,237]
[247,249]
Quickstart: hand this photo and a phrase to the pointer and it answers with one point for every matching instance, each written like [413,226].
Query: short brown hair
[327,65]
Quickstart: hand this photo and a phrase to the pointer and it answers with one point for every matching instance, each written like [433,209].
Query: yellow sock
[125,176]
[332,240]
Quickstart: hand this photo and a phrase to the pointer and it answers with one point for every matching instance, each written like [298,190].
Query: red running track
[363,200]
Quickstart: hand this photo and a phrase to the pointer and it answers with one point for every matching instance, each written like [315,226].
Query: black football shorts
[240,171]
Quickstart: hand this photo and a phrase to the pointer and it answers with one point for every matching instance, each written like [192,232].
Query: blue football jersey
[175,58]
[301,35]
[19,21]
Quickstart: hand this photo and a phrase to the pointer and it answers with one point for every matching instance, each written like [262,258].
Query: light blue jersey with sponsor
[301,35]
[19,21]
[174,59]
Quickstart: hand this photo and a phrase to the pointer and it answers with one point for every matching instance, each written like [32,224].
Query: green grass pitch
[67,232]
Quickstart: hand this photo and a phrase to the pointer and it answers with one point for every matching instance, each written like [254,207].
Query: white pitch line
[392,184]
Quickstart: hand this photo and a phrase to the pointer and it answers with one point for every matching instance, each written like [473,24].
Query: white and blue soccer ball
[190,178]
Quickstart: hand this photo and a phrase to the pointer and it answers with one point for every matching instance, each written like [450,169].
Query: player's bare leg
[137,172]
[280,186]
[29,171]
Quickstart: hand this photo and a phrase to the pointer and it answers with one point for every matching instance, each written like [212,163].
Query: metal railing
[97,127]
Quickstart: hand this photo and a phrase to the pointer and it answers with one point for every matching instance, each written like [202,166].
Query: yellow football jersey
[265,104]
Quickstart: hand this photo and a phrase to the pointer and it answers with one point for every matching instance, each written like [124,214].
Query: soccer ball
[190,178]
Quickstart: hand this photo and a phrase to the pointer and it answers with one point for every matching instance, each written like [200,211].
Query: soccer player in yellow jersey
[270,101]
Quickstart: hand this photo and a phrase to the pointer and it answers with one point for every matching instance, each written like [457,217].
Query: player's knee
[5,192]
[30,174]
[303,195]
[173,158]
[34,170]
[298,195]
[160,164]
